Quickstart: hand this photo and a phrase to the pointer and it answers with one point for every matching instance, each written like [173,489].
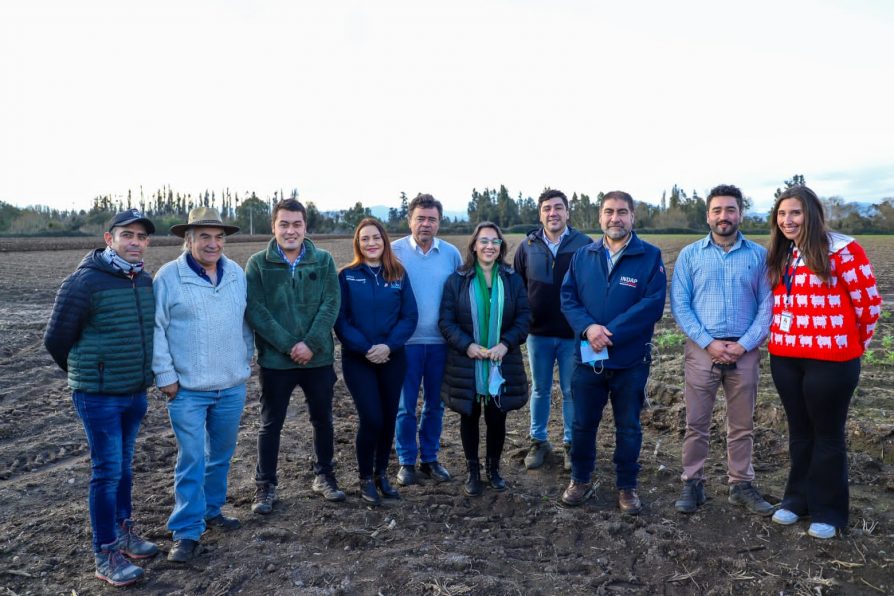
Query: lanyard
[789,276]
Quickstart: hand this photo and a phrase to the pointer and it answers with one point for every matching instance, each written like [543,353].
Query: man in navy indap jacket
[612,296]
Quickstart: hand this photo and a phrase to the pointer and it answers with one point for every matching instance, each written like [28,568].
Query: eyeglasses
[486,241]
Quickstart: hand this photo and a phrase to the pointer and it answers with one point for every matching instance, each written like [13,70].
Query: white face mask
[495,380]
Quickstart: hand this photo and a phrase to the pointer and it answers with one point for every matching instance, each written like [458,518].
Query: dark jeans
[592,390]
[495,419]
[816,395]
[375,389]
[111,423]
[276,390]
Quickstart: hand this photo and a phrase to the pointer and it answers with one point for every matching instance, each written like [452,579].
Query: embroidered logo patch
[630,282]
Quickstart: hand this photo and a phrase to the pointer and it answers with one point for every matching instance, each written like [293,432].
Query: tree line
[676,212]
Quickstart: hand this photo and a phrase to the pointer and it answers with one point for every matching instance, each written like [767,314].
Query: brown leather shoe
[629,501]
[577,493]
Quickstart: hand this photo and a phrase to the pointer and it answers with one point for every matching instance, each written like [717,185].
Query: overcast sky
[358,101]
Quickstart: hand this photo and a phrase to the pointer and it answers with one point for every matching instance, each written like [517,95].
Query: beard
[730,230]
[616,233]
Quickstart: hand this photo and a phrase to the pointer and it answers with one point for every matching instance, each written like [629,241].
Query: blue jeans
[111,423]
[206,424]
[626,390]
[543,352]
[425,365]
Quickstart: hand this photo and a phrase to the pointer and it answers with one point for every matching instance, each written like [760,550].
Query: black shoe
[406,476]
[223,522]
[492,467]
[746,495]
[325,484]
[473,486]
[368,492]
[435,471]
[184,550]
[692,497]
[388,491]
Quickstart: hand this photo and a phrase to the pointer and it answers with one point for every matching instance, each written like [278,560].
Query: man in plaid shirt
[721,298]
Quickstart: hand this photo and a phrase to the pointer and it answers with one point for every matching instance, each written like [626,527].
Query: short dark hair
[425,201]
[725,190]
[617,195]
[551,193]
[288,205]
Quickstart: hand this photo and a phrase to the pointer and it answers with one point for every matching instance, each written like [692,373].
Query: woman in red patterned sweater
[825,306]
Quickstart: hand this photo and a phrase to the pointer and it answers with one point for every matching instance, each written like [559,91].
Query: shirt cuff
[166,378]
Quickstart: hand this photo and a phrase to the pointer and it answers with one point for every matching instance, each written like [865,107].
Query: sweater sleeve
[859,280]
[259,317]
[320,329]
[162,361]
[409,315]
[70,312]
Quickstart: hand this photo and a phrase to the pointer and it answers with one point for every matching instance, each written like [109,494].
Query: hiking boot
[325,484]
[434,471]
[265,496]
[537,453]
[744,494]
[566,463]
[131,545]
[629,501]
[388,491]
[184,550]
[692,497]
[473,486]
[368,492]
[492,467]
[113,568]
[223,522]
[577,493]
[406,476]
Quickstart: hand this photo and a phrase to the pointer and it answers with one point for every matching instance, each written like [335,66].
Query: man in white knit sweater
[201,361]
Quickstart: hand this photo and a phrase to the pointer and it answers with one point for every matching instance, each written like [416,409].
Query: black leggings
[375,389]
[495,419]
[816,395]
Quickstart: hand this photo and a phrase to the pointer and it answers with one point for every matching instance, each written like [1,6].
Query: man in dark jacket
[542,260]
[100,333]
[612,296]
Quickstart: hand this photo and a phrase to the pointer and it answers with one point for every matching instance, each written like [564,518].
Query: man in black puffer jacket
[100,333]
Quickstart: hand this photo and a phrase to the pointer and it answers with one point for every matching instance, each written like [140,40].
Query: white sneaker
[784,517]
[823,531]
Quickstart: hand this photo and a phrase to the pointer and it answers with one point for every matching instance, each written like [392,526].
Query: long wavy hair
[391,266]
[470,258]
[813,241]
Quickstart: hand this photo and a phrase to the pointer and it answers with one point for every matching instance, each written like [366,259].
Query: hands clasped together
[479,352]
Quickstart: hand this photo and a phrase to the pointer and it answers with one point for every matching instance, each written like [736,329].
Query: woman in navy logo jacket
[377,316]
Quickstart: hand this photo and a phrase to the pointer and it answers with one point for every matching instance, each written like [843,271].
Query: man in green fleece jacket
[293,301]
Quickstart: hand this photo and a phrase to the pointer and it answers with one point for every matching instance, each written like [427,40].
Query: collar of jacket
[537,235]
[502,268]
[634,248]
[272,255]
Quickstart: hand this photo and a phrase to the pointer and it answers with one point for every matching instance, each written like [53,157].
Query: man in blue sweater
[612,296]
[429,261]
[542,260]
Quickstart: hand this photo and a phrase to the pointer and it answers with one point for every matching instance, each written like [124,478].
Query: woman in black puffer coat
[484,348]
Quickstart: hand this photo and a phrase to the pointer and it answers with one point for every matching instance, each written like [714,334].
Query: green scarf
[487,317]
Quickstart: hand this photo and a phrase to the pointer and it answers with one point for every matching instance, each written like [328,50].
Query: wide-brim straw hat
[203,217]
